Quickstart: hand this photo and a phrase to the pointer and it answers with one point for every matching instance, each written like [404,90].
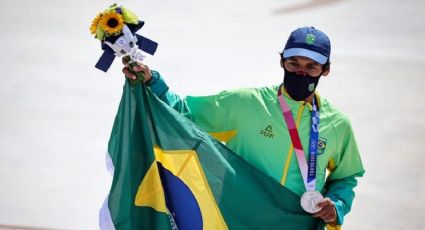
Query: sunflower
[94,23]
[112,23]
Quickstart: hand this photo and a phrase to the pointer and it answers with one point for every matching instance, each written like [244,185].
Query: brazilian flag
[169,174]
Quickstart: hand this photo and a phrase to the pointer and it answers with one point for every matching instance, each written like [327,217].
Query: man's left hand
[327,212]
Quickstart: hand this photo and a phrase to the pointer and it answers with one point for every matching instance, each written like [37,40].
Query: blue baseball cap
[308,42]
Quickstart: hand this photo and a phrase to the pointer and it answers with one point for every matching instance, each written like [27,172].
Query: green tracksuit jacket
[251,123]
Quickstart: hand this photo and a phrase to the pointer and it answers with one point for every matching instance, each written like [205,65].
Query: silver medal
[309,201]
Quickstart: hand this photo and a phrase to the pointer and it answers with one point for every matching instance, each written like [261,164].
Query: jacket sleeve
[341,192]
[212,113]
[345,167]
[161,90]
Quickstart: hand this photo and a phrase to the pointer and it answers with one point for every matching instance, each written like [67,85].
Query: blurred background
[57,110]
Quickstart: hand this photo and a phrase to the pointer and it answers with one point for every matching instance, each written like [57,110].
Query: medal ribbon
[308,172]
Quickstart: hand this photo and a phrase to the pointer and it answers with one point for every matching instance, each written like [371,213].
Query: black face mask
[298,86]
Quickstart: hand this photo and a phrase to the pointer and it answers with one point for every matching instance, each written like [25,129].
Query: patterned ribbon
[308,172]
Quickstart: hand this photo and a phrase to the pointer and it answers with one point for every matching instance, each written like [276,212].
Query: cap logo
[310,39]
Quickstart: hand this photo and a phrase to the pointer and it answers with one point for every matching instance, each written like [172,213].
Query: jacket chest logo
[321,145]
[267,132]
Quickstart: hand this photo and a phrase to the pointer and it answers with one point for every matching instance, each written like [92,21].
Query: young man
[267,126]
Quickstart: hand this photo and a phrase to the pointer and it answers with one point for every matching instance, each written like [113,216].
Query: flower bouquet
[116,29]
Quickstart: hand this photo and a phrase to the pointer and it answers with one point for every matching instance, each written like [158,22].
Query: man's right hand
[139,67]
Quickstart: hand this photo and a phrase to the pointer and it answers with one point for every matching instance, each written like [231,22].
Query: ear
[281,62]
[326,72]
